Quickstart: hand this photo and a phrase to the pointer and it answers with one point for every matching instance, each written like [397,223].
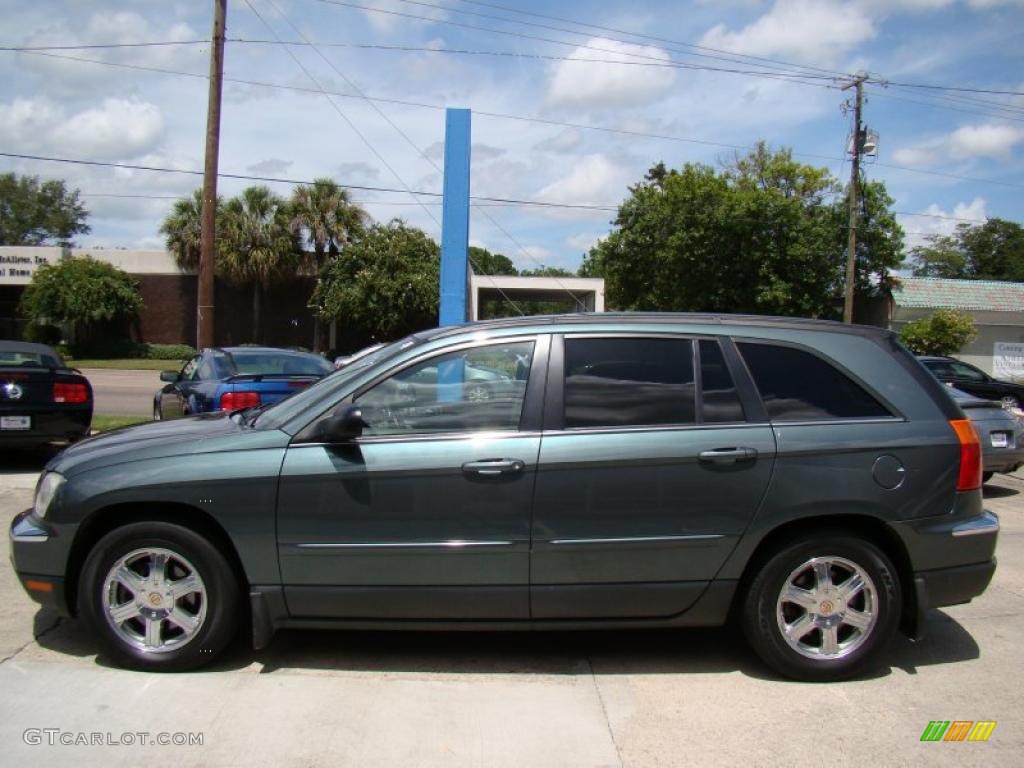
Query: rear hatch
[271,387]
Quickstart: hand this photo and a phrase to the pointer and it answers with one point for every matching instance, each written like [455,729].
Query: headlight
[48,486]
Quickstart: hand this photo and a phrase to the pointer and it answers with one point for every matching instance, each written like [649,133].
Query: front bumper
[38,555]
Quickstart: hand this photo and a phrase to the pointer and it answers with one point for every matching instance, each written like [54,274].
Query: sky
[643,83]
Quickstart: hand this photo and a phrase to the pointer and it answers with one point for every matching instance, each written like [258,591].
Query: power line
[87,46]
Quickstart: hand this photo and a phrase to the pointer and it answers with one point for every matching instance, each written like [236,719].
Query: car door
[173,396]
[652,464]
[427,514]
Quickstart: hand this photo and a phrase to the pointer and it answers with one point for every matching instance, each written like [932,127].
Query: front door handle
[494,467]
[727,455]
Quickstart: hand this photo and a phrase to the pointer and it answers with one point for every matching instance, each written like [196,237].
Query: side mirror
[171,376]
[342,426]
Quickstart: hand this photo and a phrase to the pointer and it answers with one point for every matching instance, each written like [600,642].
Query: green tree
[34,212]
[547,272]
[944,332]
[257,245]
[767,235]
[183,229]
[486,263]
[80,294]
[324,216]
[990,251]
[384,285]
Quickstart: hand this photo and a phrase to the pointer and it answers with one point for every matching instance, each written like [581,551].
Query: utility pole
[858,146]
[208,243]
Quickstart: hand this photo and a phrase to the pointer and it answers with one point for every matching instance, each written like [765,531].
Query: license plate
[15,422]
[1000,439]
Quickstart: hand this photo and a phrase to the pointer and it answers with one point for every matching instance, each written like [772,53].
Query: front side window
[624,382]
[799,386]
[477,389]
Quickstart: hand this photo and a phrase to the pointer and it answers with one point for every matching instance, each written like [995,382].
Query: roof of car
[670,318]
[27,346]
[261,350]
[936,358]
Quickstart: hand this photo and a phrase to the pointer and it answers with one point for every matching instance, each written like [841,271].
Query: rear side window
[720,402]
[799,386]
[623,382]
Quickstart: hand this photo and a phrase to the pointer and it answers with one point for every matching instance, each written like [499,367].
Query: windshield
[12,359]
[269,362]
[276,415]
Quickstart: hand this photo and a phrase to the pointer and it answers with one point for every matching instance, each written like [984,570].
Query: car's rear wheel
[159,597]
[157,415]
[823,607]
[986,476]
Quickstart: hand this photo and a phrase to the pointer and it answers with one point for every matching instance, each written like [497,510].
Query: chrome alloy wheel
[154,599]
[827,608]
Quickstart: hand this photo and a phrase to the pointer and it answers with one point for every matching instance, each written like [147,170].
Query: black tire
[761,621]
[157,413]
[986,476]
[221,597]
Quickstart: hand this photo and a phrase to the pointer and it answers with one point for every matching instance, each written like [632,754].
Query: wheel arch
[104,520]
[870,528]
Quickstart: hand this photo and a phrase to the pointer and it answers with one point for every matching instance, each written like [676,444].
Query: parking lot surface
[516,699]
[123,393]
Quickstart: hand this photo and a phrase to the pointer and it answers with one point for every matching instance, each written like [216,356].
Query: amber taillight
[64,392]
[969,478]
[231,401]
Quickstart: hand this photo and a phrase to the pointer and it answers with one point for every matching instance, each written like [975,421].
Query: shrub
[115,349]
[42,333]
[169,351]
[944,332]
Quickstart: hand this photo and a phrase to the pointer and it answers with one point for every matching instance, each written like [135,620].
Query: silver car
[1001,433]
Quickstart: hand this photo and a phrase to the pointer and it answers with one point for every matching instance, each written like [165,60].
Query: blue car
[229,378]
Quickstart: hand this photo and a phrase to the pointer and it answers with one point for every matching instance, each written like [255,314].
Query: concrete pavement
[124,393]
[572,699]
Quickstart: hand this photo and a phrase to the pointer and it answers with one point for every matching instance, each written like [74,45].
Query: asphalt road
[465,699]
[123,393]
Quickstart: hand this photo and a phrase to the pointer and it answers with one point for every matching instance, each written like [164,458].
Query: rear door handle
[494,467]
[727,455]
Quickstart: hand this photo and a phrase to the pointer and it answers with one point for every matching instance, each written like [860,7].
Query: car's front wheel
[823,607]
[160,597]
[1010,402]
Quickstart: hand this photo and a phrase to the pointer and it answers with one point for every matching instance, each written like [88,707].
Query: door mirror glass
[342,426]
[171,376]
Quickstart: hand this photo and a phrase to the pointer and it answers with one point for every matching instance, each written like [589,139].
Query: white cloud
[583,242]
[938,221]
[119,129]
[965,143]
[610,86]
[565,140]
[986,4]
[817,31]
[594,179]
[272,166]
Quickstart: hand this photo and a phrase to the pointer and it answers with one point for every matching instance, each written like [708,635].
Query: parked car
[42,400]
[1000,431]
[975,381]
[227,378]
[637,470]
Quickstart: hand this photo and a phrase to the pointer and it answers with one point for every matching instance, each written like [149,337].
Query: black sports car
[974,381]
[42,400]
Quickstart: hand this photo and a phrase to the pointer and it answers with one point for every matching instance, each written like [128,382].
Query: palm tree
[257,245]
[324,216]
[183,229]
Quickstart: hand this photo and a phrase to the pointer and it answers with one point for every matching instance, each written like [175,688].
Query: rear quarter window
[799,386]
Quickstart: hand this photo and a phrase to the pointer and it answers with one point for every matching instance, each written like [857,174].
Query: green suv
[809,480]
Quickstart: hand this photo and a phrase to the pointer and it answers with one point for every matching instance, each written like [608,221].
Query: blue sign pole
[455,219]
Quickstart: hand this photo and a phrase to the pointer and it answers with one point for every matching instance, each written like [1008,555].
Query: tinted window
[799,386]
[268,362]
[965,371]
[720,401]
[628,382]
[476,389]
